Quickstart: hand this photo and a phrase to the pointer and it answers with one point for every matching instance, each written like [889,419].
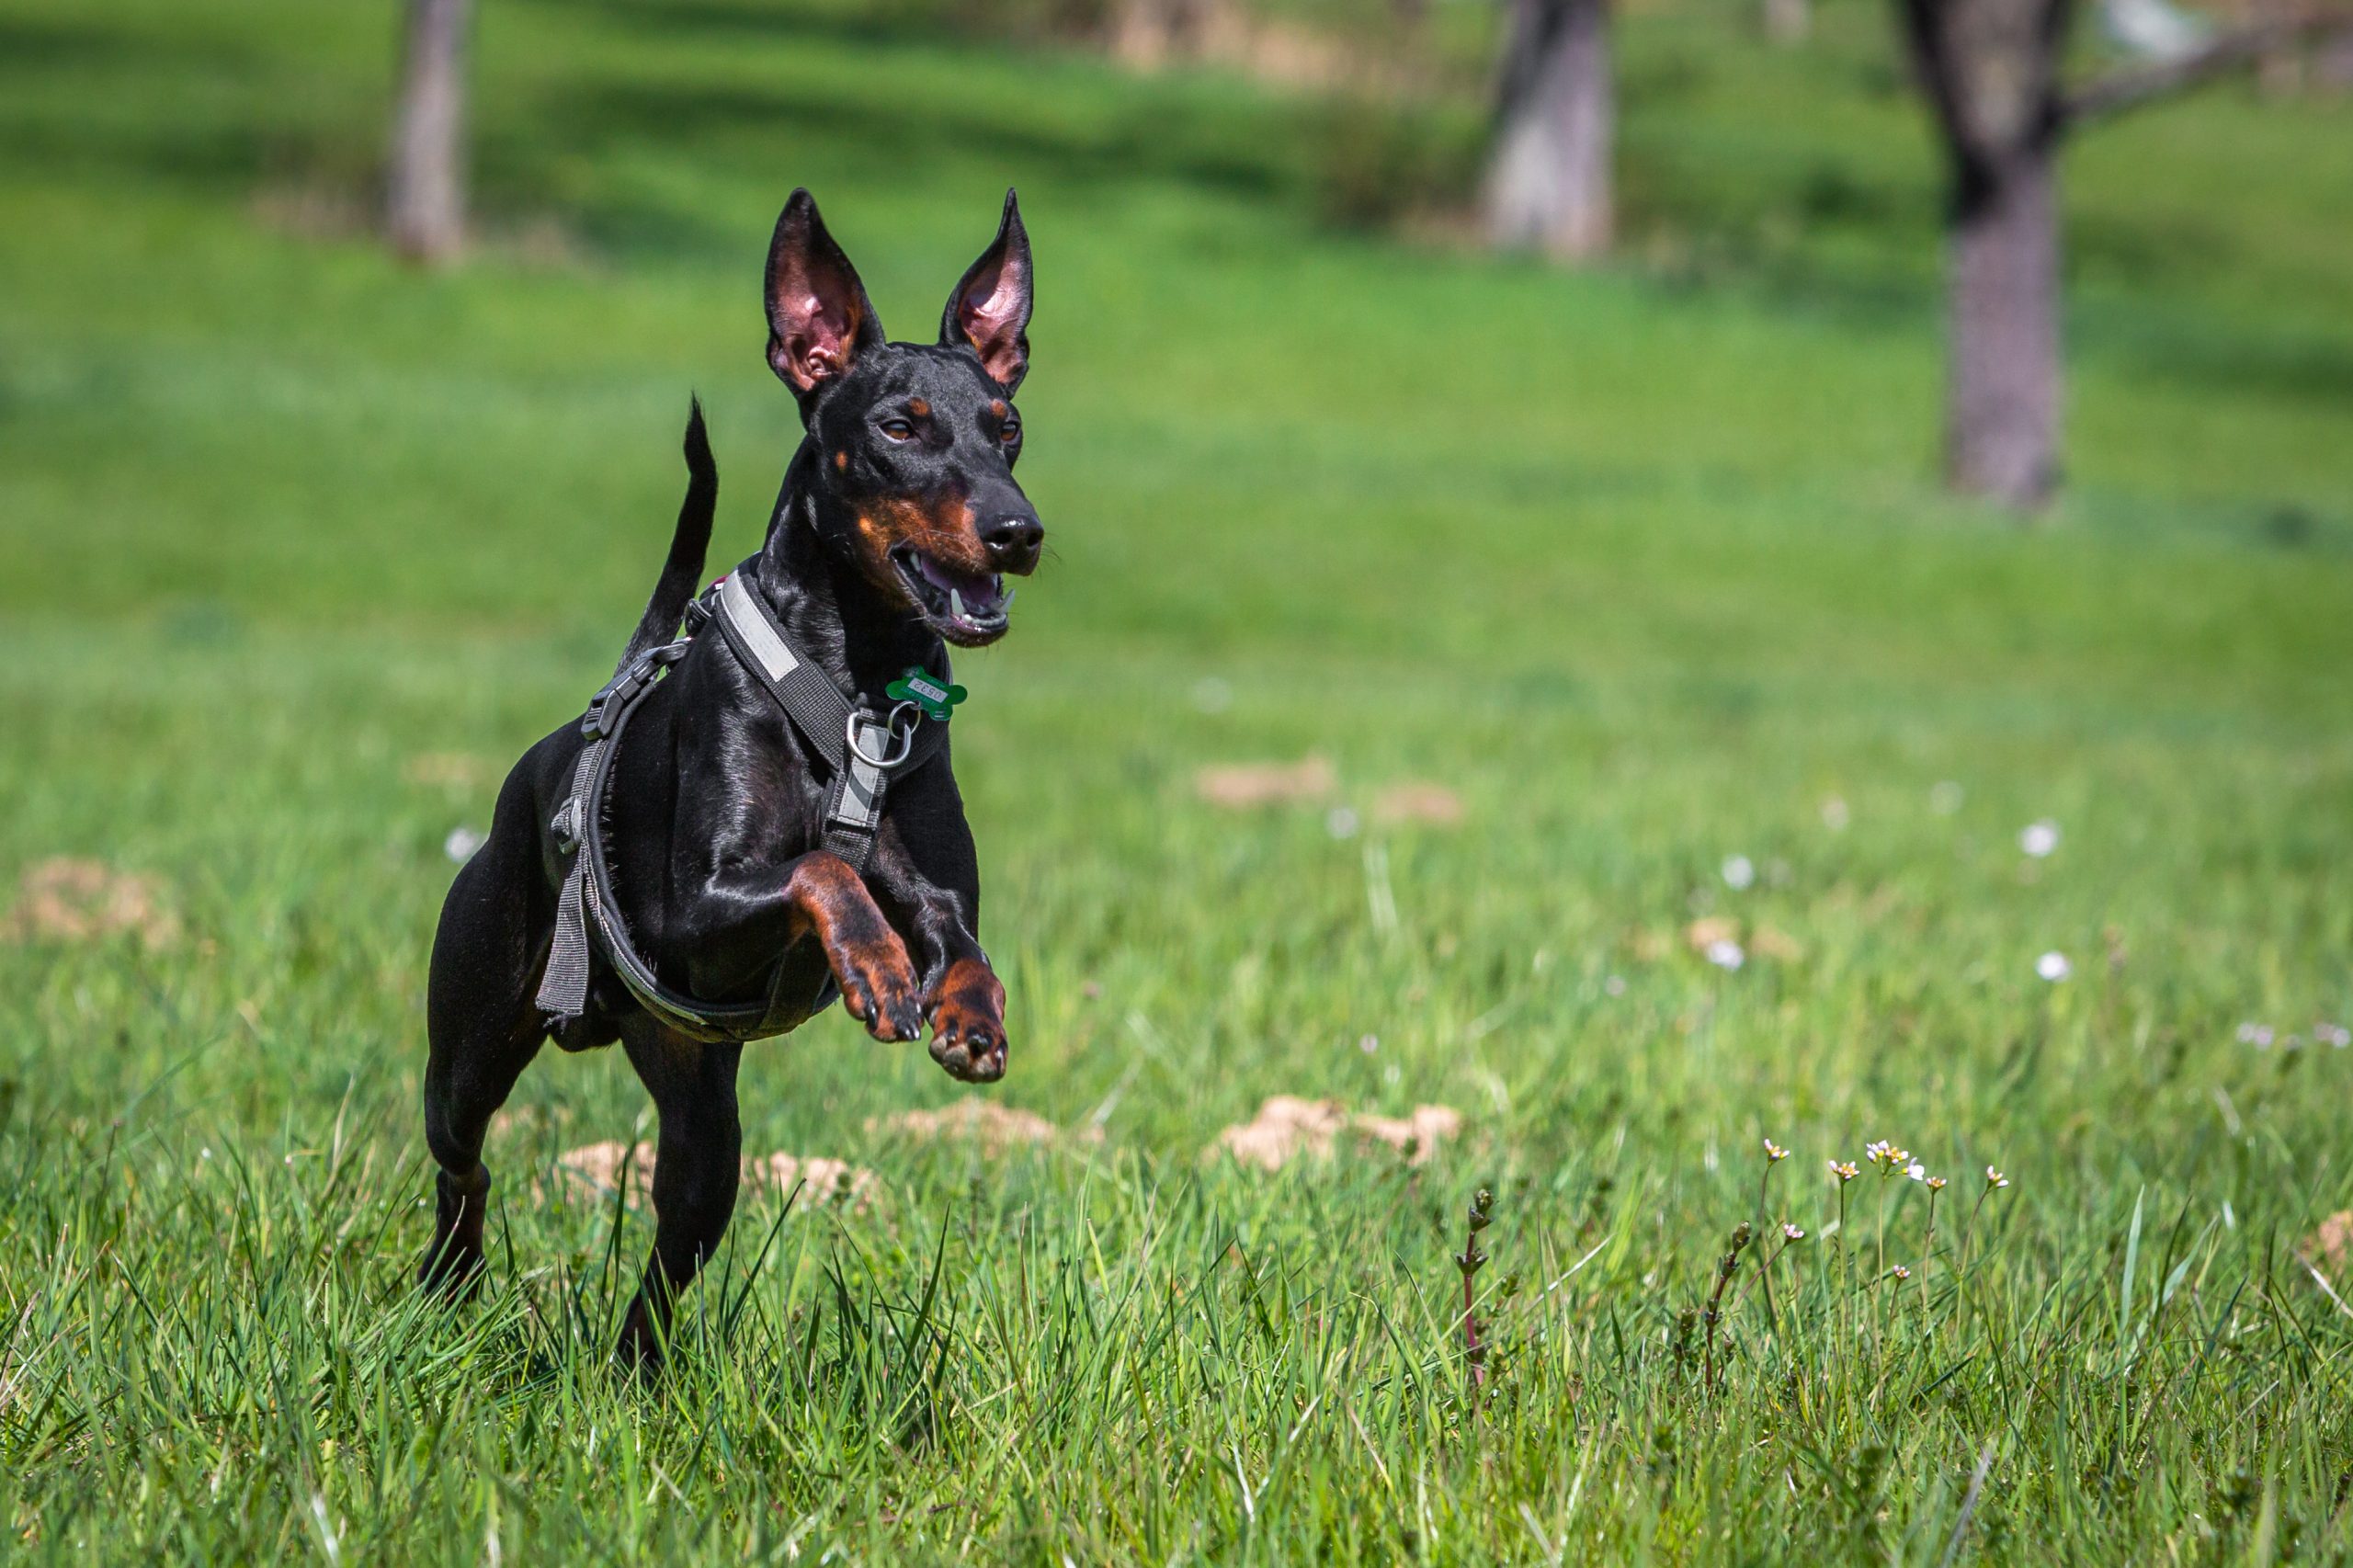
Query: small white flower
[1340,822]
[1725,953]
[2256,1035]
[1844,1170]
[461,844]
[1834,815]
[2053,966]
[2337,1035]
[1936,1184]
[1995,1178]
[1774,1152]
[1946,797]
[1791,1233]
[1916,1171]
[1369,1044]
[1740,872]
[2039,838]
[1899,1274]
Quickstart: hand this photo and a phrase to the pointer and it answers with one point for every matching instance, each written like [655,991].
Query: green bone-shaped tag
[927,691]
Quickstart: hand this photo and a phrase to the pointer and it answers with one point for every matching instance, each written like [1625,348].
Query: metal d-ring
[906,737]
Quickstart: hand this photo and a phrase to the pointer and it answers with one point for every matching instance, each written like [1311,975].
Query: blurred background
[1441,316]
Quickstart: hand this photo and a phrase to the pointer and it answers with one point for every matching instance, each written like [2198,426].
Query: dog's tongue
[976,592]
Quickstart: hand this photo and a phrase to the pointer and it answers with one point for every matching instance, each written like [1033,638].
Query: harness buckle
[565,825]
[614,695]
[905,738]
[623,688]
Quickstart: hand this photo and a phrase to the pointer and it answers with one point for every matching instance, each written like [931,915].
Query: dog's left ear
[989,311]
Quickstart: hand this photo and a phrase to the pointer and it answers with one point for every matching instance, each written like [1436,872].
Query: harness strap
[564,989]
[815,705]
[862,771]
[856,749]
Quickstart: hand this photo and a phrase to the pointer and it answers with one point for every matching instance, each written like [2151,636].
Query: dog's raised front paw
[878,986]
[967,1023]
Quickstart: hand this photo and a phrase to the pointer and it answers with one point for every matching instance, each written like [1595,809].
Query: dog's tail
[682,572]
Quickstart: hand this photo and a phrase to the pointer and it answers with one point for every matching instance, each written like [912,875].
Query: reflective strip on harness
[760,638]
[860,801]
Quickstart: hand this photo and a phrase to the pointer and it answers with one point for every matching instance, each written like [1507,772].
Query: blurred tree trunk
[1149,33]
[1990,69]
[1549,185]
[1788,21]
[2280,71]
[2333,64]
[2298,59]
[2003,405]
[425,197]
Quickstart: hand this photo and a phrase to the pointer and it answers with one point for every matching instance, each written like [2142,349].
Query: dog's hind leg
[483,1024]
[698,1164]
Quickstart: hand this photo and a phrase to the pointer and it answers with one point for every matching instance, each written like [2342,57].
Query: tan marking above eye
[998,406]
[841,461]
[919,408]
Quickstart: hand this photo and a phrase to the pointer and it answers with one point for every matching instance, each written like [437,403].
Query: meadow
[1692,775]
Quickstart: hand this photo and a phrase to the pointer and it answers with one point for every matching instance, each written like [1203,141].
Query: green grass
[1646,564]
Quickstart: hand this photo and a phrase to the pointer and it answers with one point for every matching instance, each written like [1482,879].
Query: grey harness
[862,753]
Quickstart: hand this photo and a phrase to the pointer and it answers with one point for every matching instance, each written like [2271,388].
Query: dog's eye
[898,430]
[1011,433]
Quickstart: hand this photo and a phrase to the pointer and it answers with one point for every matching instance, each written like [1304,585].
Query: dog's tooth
[1008,599]
[955,604]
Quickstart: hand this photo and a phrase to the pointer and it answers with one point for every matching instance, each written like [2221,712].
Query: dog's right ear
[819,319]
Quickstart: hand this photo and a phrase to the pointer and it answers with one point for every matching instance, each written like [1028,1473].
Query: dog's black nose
[1014,536]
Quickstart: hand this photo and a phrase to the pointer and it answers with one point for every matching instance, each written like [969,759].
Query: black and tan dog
[898,520]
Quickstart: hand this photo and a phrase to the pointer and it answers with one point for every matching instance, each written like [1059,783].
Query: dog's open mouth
[966,608]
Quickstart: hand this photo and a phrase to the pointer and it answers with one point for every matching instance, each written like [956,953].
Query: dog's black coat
[901,492]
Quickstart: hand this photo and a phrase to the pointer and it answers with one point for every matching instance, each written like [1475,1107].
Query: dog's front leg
[826,899]
[822,900]
[928,880]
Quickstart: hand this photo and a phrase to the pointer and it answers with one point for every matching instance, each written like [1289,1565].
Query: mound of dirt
[1287,1126]
[1242,785]
[68,899]
[595,1172]
[2328,1247]
[1417,801]
[995,1128]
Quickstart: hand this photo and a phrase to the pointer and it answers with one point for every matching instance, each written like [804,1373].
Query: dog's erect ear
[819,319]
[989,311]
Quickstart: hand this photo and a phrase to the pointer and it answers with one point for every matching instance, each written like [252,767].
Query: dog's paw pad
[968,1042]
